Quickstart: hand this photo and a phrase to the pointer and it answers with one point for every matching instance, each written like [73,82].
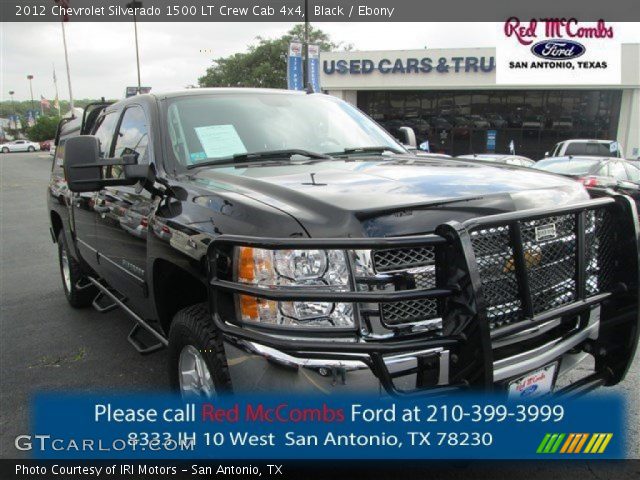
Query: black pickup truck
[276,240]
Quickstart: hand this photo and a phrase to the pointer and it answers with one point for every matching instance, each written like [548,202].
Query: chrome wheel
[195,378]
[66,270]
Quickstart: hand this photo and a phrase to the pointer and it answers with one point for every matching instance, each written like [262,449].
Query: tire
[31,149]
[193,331]
[5,150]
[77,298]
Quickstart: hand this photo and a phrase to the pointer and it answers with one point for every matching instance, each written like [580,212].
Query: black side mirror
[408,137]
[83,167]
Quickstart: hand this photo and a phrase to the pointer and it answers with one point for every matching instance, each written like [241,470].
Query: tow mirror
[408,137]
[84,168]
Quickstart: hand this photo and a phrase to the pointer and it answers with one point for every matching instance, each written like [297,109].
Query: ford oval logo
[558,49]
[529,391]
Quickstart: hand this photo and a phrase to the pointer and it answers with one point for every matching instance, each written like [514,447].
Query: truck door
[84,206]
[122,222]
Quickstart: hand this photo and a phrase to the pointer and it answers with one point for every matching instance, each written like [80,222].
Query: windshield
[574,166]
[217,127]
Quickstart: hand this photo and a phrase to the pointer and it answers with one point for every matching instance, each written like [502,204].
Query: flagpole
[66,59]
[55,83]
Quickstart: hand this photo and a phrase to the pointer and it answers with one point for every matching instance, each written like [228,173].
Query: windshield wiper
[372,149]
[266,155]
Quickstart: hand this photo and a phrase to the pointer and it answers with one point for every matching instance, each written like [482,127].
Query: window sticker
[197,156]
[220,140]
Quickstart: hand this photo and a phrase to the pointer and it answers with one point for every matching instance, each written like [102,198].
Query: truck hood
[377,195]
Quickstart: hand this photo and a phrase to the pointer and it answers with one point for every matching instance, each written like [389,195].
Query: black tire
[193,326]
[5,150]
[31,149]
[77,298]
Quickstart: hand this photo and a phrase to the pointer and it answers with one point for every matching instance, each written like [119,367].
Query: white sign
[220,140]
[558,52]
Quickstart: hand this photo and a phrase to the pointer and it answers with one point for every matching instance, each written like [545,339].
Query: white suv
[586,148]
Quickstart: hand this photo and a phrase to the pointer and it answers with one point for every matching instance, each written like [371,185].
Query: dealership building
[451,98]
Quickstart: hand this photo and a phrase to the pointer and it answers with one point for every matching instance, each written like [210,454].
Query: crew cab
[269,238]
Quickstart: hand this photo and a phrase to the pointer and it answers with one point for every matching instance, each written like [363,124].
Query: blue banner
[294,67]
[491,140]
[313,67]
[151,427]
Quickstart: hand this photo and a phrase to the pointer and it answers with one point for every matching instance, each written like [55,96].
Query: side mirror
[546,154]
[83,167]
[408,137]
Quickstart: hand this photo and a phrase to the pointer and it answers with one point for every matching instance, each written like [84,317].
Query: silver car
[19,146]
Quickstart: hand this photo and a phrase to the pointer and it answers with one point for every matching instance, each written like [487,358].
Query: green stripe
[543,443]
[547,449]
[557,445]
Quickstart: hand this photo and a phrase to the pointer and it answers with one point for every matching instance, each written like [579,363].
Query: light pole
[13,111]
[30,78]
[136,4]
[13,107]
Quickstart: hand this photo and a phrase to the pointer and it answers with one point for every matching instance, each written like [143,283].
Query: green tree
[44,129]
[264,64]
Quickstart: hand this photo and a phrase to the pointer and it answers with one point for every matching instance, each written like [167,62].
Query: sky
[174,55]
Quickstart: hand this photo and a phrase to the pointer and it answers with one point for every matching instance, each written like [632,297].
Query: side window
[556,151]
[104,130]
[132,139]
[133,135]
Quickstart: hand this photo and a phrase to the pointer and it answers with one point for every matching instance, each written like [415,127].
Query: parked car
[505,159]
[477,121]
[497,121]
[19,146]
[586,148]
[563,123]
[329,245]
[46,145]
[599,175]
[533,123]
[440,123]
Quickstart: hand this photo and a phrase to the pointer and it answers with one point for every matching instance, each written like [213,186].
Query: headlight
[309,269]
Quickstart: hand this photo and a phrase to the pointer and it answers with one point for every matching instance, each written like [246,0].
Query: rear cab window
[593,149]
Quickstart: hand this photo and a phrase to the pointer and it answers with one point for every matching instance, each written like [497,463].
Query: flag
[44,102]
[512,148]
[63,4]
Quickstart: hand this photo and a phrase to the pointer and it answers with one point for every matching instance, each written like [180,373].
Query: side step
[134,336]
[103,304]
[136,339]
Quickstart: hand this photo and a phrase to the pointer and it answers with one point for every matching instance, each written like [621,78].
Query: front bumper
[601,326]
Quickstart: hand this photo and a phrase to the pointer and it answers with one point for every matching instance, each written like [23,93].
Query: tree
[44,129]
[264,65]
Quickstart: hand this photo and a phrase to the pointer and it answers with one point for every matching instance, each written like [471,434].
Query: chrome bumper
[259,368]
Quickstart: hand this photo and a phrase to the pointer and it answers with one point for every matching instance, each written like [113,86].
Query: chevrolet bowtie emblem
[532,258]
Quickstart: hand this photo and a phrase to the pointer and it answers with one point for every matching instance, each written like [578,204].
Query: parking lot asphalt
[45,345]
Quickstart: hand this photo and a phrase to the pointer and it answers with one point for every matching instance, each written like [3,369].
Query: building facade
[458,106]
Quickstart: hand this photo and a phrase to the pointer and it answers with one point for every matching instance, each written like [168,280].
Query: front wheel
[197,361]
[72,275]
[5,150]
